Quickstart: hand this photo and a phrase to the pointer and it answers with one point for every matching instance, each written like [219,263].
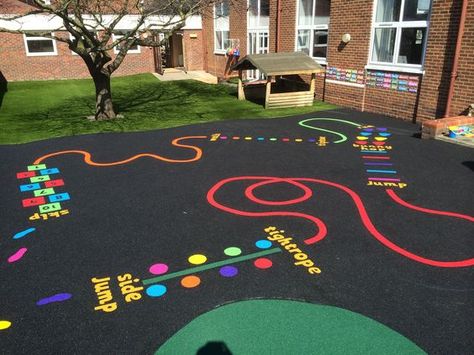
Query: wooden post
[268,90]
[241,93]
[312,87]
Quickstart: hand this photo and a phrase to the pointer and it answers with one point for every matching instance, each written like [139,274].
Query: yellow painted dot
[298,140]
[380,139]
[248,138]
[197,259]
[4,324]
[361,138]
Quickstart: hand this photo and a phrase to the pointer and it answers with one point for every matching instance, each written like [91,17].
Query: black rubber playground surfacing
[114,243]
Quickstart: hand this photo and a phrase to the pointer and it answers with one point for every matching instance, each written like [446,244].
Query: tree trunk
[104,109]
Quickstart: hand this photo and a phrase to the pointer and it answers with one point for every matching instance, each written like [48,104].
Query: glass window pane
[305,12]
[226,43]
[384,43]
[253,13]
[416,10]
[303,41]
[322,12]
[411,45]
[388,11]
[264,13]
[320,51]
[225,8]
[218,40]
[40,46]
[320,45]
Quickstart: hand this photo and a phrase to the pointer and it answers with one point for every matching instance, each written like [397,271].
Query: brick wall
[16,65]
[193,48]
[215,63]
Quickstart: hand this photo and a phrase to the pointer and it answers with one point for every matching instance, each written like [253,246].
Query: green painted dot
[232,251]
[273,139]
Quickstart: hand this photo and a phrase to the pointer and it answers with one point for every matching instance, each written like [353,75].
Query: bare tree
[91,24]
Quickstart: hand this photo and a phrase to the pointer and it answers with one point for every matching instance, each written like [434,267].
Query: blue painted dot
[260,138]
[312,140]
[263,244]
[156,290]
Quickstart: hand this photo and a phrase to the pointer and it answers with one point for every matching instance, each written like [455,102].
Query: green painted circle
[232,251]
[286,327]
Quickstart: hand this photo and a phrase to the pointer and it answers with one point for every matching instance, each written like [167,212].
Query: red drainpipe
[457,52]
[277,46]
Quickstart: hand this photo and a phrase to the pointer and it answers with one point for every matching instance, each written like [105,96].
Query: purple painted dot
[381,129]
[312,140]
[228,271]
[223,137]
[59,297]
[158,269]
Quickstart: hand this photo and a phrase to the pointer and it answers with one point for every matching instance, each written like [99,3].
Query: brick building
[26,57]
[388,56]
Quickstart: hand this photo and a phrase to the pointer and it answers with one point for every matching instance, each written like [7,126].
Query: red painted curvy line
[176,142]
[398,200]
[320,235]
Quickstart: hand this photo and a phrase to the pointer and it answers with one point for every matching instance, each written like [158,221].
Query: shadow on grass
[3,87]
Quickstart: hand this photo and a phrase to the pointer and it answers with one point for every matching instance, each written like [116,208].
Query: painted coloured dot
[228,271]
[285,139]
[263,244]
[223,137]
[197,259]
[4,324]
[248,138]
[273,139]
[312,140]
[260,138]
[156,290]
[190,281]
[232,251]
[235,138]
[298,140]
[263,263]
[158,269]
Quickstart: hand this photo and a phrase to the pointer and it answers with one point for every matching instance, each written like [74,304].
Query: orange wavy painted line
[175,142]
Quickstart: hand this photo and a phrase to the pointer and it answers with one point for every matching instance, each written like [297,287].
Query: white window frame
[399,26]
[221,24]
[311,28]
[116,36]
[39,54]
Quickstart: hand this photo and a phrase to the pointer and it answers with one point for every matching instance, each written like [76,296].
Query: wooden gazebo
[278,65]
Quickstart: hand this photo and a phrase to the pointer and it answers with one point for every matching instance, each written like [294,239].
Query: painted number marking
[40,178]
[54,183]
[50,207]
[36,167]
[33,201]
[25,174]
[49,171]
[44,192]
[29,187]
[59,197]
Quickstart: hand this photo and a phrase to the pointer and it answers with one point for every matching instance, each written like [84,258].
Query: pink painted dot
[285,139]
[18,255]
[158,269]
[263,263]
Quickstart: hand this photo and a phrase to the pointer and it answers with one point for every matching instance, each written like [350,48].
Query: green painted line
[343,137]
[44,192]
[40,178]
[36,167]
[211,266]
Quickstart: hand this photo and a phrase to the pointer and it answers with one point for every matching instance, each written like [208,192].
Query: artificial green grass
[38,110]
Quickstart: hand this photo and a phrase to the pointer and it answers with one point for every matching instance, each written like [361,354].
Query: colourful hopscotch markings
[381,171]
[36,167]
[50,171]
[50,207]
[25,174]
[23,233]
[189,278]
[4,324]
[33,201]
[59,197]
[59,297]
[54,183]
[17,256]
[29,187]
[40,178]
[44,192]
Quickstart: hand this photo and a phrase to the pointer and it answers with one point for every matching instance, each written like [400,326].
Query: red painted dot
[361,142]
[263,263]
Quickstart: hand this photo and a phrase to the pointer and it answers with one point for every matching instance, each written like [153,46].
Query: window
[221,26]
[259,14]
[117,35]
[39,46]
[399,33]
[312,28]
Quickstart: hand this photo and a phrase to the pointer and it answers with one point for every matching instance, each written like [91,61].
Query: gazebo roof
[279,63]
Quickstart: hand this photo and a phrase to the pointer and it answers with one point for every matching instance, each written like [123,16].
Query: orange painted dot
[190,281]
[235,138]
